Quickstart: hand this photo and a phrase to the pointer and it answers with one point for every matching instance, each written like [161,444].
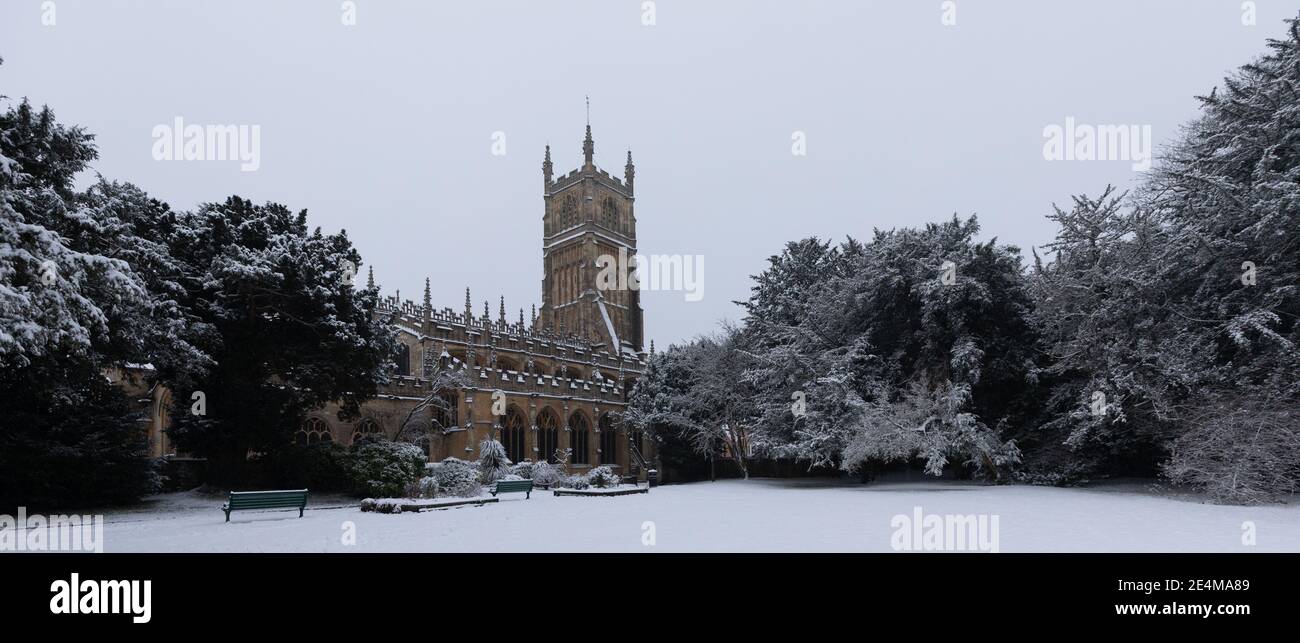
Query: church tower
[588,224]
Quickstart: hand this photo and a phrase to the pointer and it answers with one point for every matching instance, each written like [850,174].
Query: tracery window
[313,430]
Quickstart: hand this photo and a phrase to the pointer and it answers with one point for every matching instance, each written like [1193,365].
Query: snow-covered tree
[55,297]
[290,330]
[422,420]
[1098,416]
[892,324]
[696,396]
[1170,316]
[69,310]
[929,423]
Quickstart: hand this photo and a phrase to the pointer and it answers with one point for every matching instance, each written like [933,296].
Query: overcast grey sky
[385,128]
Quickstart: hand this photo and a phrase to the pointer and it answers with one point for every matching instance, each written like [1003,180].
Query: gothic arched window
[580,431]
[313,430]
[364,428]
[512,434]
[608,441]
[445,411]
[609,214]
[403,360]
[568,212]
[548,436]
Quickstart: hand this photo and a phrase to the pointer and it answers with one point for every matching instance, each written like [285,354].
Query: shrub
[456,477]
[320,467]
[603,477]
[388,506]
[427,487]
[385,468]
[572,482]
[545,473]
[326,465]
[523,469]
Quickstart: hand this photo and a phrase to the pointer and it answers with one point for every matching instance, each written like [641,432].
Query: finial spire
[629,171]
[588,145]
[370,279]
[547,168]
[521,317]
[468,306]
[486,315]
[501,315]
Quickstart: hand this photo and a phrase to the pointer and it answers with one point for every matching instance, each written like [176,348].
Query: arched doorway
[162,424]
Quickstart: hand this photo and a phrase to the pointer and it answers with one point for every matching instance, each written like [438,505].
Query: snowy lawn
[760,515]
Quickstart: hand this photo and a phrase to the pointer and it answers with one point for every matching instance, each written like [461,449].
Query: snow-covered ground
[760,515]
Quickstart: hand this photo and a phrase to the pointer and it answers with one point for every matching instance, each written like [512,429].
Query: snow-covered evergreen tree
[69,310]
[911,315]
[290,332]
[55,297]
[1171,316]
[1228,199]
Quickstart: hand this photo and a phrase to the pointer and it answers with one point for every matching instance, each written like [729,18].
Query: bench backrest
[514,485]
[267,499]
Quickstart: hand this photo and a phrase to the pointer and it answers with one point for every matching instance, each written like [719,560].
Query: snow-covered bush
[545,473]
[523,469]
[493,464]
[385,506]
[603,477]
[455,477]
[427,487]
[320,467]
[1239,448]
[385,468]
[571,482]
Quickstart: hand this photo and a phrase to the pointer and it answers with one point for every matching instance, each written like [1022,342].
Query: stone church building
[551,387]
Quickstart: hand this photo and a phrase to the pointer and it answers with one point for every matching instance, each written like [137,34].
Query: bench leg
[300,511]
[227,515]
[528,495]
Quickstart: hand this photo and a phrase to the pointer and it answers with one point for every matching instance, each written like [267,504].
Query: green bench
[514,486]
[265,500]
